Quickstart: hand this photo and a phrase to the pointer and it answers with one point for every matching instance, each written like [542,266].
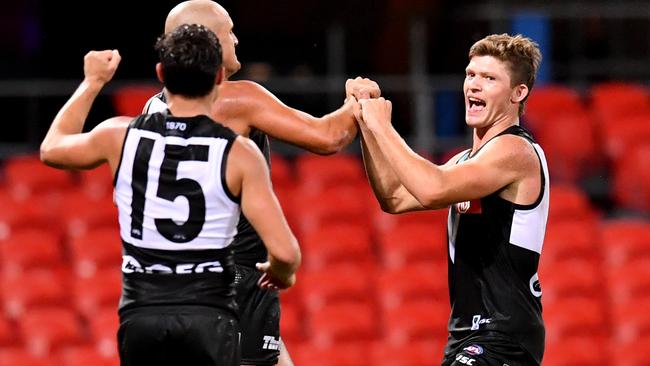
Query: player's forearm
[72,116]
[420,177]
[285,259]
[382,178]
[339,128]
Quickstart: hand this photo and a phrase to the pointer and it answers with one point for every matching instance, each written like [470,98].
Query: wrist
[93,84]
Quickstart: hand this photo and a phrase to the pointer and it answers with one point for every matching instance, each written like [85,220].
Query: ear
[220,76]
[159,72]
[519,93]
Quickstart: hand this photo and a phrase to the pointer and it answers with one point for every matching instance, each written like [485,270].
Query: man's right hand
[362,88]
[100,66]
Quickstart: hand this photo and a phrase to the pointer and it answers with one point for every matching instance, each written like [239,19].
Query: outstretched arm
[498,165]
[248,174]
[64,146]
[247,104]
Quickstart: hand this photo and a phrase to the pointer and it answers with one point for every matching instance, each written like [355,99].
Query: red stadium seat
[396,286]
[548,101]
[633,353]
[338,282]
[570,278]
[623,133]
[82,214]
[86,356]
[316,173]
[35,288]
[27,175]
[97,248]
[103,327]
[631,319]
[101,290]
[291,323]
[339,354]
[436,219]
[97,183]
[416,320]
[343,322]
[570,159]
[28,213]
[281,172]
[337,243]
[130,100]
[7,333]
[624,241]
[30,248]
[618,99]
[22,357]
[629,280]
[631,187]
[575,316]
[571,239]
[343,204]
[569,202]
[417,353]
[46,330]
[409,243]
[577,351]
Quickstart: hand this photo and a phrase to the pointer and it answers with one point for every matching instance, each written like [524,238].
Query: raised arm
[64,146]
[499,164]
[248,174]
[245,104]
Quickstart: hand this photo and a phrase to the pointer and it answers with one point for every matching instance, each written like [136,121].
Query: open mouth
[476,104]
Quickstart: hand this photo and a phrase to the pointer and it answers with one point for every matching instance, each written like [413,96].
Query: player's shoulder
[244,87]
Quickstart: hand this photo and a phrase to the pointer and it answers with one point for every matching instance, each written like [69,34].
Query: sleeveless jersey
[248,246]
[494,250]
[177,216]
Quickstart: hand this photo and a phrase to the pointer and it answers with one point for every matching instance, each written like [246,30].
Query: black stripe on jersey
[139,184]
[224,163]
[196,126]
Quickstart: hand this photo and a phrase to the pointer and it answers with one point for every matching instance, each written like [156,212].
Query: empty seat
[569,202]
[86,356]
[619,135]
[571,239]
[30,248]
[291,324]
[632,353]
[615,99]
[338,243]
[334,205]
[7,333]
[416,320]
[409,243]
[574,351]
[630,319]
[97,183]
[103,327]
[27,175]
[130,100]
[418,281]
[101,290]
[281,172]
[631,187]
[316,173]
[436,219]
[352,353]
[570,278]
[548,101]
[97,248]
[625,240]
[81,214]
[416,353]
[629,280]
[343,322]
[22,357]
[337,282]
[35,288]
[45,330]
[575,317]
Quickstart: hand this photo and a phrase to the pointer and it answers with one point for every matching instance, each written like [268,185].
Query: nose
[235,39]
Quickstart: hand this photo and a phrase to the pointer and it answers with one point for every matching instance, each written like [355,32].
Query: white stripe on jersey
[222,214]
[529,226]
[154,105]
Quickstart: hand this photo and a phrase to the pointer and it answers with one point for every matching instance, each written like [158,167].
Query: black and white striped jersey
[248,246]
[494,251]
[177,216]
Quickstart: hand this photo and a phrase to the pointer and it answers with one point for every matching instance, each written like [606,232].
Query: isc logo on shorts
[271,343]
[465,360]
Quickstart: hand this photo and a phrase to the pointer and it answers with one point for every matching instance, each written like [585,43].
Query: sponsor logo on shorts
[474,350]
[465,360]
[131,265]
[271,343]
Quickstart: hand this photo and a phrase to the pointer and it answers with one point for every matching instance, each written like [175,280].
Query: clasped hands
[371,110]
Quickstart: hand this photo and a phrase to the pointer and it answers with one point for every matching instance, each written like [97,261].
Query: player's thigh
[259,314]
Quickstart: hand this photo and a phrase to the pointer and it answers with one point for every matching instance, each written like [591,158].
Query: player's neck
[189,107]
[483,134]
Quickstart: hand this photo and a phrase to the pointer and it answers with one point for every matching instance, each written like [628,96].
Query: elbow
[46,154]
[289,258]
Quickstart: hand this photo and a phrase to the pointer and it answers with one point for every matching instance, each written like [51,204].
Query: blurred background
[372,288]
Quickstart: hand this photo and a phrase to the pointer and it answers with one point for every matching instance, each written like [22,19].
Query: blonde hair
[521,54]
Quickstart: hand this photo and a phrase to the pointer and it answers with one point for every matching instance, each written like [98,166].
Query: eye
[491,78]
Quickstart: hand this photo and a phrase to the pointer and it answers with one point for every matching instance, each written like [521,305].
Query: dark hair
[190,56]
[521,54]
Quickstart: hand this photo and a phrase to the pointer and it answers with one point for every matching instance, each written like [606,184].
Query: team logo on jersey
[271,343]
[474,349]
[535,286]
[469,207]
